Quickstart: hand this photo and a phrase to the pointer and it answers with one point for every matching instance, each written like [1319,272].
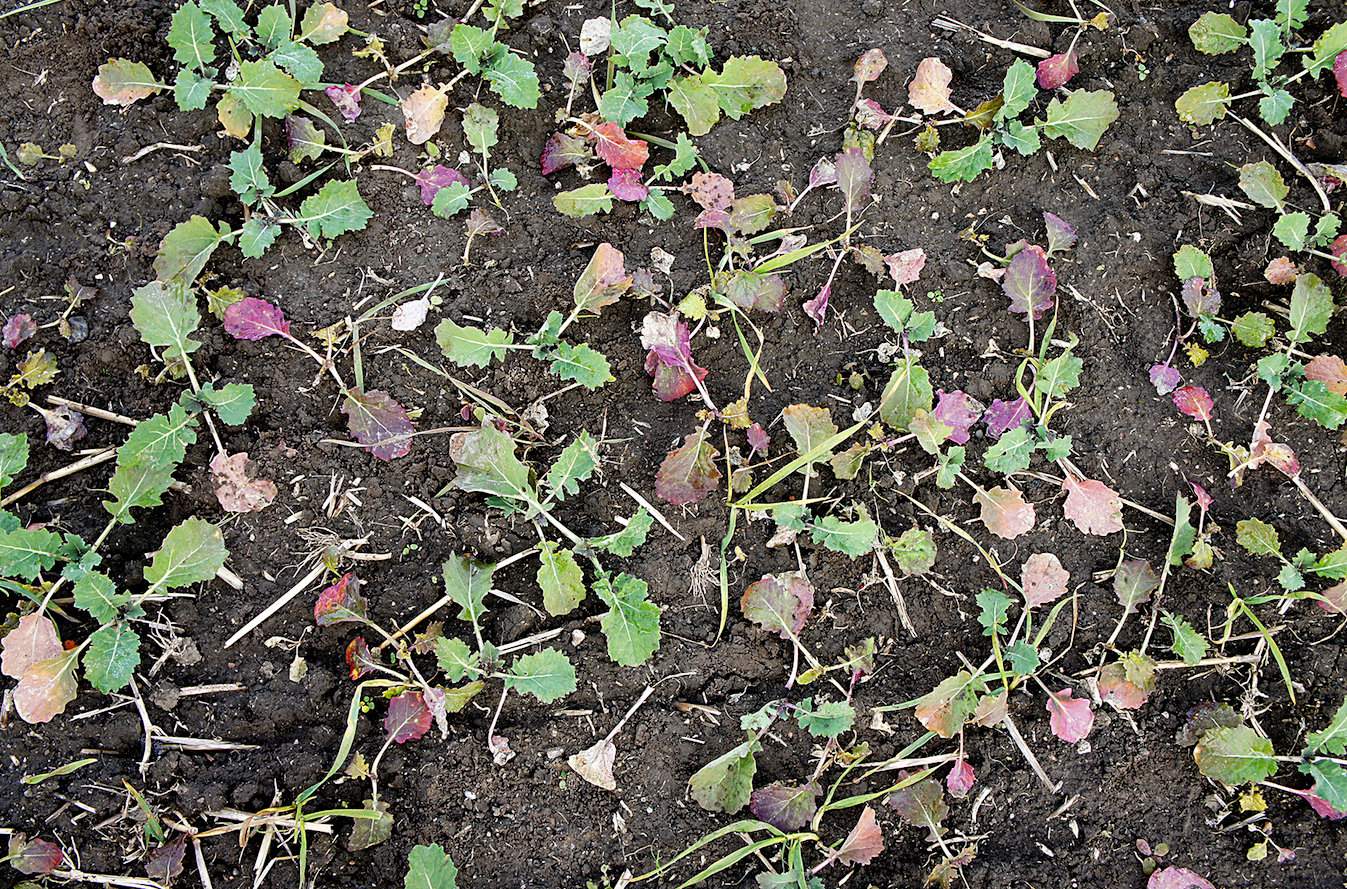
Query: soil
[531,822]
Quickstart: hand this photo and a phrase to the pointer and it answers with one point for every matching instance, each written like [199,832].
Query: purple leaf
[1057,70]
[626,185]
[1030,282]
[785,806]
[1340,73]
[671,383]
[1201,298]
[959,411]
[817,307]
[253,319]
[1164,378]
[64,427]
[1004,416]
[346,98]
[1177,878]
[164,864]
[432,179]
[17,329]
[340,603]
[758,439]
[1061,234]
[689,472]
[378,422]
[408,717]
[824,172]
[712,219]
[779,603]
[853,176]
[1070,718]
[871,115]
[562,151]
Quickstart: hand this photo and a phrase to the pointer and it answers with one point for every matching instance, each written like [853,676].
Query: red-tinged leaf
[671,383]
[603,281]
[1339,249]
[432,179]
[340,603]
[64,427]
[1057,70]
[378,422]
[960,779]
[164,864]
[1003,416]
[1133,583]
[408,717]
[758,439]
[18,328]
[689,473]
[817,308]
[360,662]
[865,841]
[1329,370]
[36,857]
[959,411]
[668,337]
[929,90]
[785,806]
[712,191]
[824,172]
[1128,682]
[853,176]
[1005,512]
[1177,878]
[236,486]
[253,319]
[617,150]
[1265,450]
[1322,808]
[905,266]
[779,603]
[869,65]
[1070,718]
[1061,234]
[1281,271]
[1030,282]
[347,99]
[1200,297]
[626,185]
[871,115]
[34,639]
[1334,599]
[1164,378]
[712,219]
[1092,506]
[1044,579]
[46,688]
[1340,73]
[921,804]
[562,151]
[1204,500]
[1193,401]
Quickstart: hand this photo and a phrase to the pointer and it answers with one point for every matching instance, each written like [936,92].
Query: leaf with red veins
[33,639]
[758,439]
[1070,718]
[36,857]
[46,688]
[562,151]
[1030,282]
[1193,401]
[626,185]
[817,308]
[854,176]
[432,179]
[1092,506]
[1044,579]
[379,423]
[603,281]
[18,328]
[712,191]
[1005,512]
[617,150]
[1057,70]
[779,603]
[864,843]
[959,411]
[671,383]
[905,266]
[921,804]
[1281,271]
[785,806]
[689,473]
[1329,370]
[253,319]
[1177,878]
[929,89]
[960,779]
[236,486]
[1164,378]
[347,99]
[408,717]
[869,65]
[340,603]
[1003,416]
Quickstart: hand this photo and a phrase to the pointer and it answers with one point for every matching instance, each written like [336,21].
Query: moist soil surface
[532,822]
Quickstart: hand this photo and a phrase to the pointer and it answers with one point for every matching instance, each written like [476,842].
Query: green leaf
[1332,739]
[1332,566]
[1215,33]
[1264,185]
[323,23]
[232,403]
[632,622]
[514,80]
[301,62]
[1185,535]
[894,308]
[684,160]
[963,164]
[914,550]
[191,553]
[249,180]
[467,582]
[265,89]
[451,200]
[993,610]
[186,249]
[1017,90]
[503,178]
[725,783]
[1059,376]
[1203,104]
[584,201]
[468,346]
[1082,118]
[1292,14]
[687,46]
[336,209]
[1190,262]
[1022,658]
[1326,229]
[191,37]
[13,456]
[472,46]
[828,720]
[1258,537]
[487,464]
[430,867]
[1265,40]
[456,659]
[257,236]
[581,364]
[1011,452]
[907,392]
[560,578]
[1024,139]
[273,26]
[1275,105]
[546,675]
[625,100]
[165,315]
[96,594]
[1293,230]
[1253,329]
[1188,644]
[745,84]
[634,39]
[1311,308]
[191,90]
[625,542]
[694,99]
[25,553]
[1330,782]
[481,126]
[1314,401]
[229,15]
[1326,49]
[112,656]
[497,11]
[1235,755]
[576,463]
[855,538]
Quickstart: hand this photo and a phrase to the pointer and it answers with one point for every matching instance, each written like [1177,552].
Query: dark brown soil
[532,822]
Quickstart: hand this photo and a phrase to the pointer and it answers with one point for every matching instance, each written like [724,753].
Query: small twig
[1029,755]
[899,604]
[80,465]
[161,146]
[91,411]
[314,573]
[659,516]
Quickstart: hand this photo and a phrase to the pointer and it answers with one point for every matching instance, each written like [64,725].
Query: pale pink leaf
[411,314]
[33,639]
[1061,234]
[929,90]
[865,841]
[347,99]
[423,111]
[236,485]
[1164,378]
[959,411]
[18,328]
[603,282]
[1044,579]
[1030,282]
[253,319]
[626,185]
[1005,512]
[1092,506]
[46,688]
[408,717]
[1334,599]
[1281,271]
[960,779]
[1177,878]
[1329,370]
[758,439]
[869,65]
[854,176]
[906,265]
[1070,718]
[1340,72]
[64,427]
[779,603]
[712,191]
[871,115]
[595,764]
